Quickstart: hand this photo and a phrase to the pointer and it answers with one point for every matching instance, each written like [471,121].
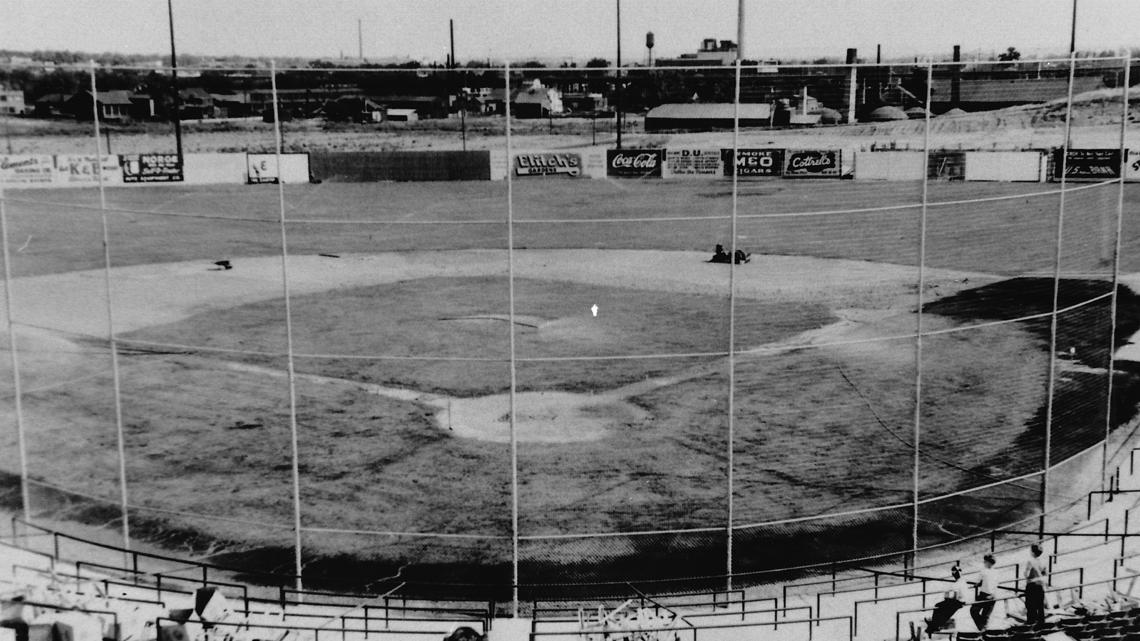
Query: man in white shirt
[1035,574]
[987,590]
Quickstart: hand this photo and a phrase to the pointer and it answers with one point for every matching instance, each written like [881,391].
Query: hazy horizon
[564,30]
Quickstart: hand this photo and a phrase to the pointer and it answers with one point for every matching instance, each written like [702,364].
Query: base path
[147,295]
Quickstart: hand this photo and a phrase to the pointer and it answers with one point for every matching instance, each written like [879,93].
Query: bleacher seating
[1091,597]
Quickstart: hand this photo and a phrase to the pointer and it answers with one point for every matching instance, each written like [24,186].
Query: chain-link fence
[542,369]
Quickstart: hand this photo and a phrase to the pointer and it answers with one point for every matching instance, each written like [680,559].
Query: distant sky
[523,29]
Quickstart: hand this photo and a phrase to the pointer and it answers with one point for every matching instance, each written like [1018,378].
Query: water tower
[649,46]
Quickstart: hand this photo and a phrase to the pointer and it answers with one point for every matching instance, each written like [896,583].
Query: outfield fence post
[917,432]
[513,423]
[116,384]
[732,328]
[1052,378]
[14,355]
[1126,58]
[296,471]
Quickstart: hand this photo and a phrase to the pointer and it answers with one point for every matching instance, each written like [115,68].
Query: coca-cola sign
[634,163]
[813,163]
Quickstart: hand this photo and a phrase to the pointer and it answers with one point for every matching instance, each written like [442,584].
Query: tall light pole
[618,85]
[1073,31]
[174,83]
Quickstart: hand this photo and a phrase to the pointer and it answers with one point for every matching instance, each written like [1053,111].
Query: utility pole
[618,84]
[1073,31]
[174,84]
[360,39]
[462,94]
[740,30]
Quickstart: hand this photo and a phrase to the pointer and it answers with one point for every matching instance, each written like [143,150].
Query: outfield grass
[1009,236]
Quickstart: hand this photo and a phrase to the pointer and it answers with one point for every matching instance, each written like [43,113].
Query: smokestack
[852,81]
[956,78]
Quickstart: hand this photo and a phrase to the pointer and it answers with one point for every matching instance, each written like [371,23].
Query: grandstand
[1091,594]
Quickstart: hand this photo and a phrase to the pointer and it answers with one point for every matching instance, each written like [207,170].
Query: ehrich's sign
[548,164]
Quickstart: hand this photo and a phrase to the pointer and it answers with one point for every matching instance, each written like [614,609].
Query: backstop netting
[493,340]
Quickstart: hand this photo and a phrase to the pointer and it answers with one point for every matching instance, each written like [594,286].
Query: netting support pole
[1127,57]
[1056,298]
[21,440]
[511,324]
[119,436]
[917,434]
[298,566]
[732,329]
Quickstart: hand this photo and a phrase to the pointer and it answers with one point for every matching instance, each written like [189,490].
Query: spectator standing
[1035,573]
[987,590]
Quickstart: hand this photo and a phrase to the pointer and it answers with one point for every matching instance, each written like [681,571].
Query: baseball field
[400,323]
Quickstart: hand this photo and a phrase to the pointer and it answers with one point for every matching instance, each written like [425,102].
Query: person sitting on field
[719,255]
[741,257]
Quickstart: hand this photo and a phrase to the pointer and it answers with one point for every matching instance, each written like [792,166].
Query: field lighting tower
[617,85]
[174,83]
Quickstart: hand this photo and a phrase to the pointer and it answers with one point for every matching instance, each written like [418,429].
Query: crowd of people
[986,596]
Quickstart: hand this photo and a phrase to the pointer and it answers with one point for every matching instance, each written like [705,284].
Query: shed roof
[711,111]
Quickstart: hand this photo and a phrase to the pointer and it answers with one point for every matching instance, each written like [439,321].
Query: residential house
[12,102]
[50,106]
[231,105]
[536,101]
[354,109]
[196,103]
[113,106]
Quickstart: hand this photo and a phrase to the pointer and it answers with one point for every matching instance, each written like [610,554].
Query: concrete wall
[1021,166]
[890,165]
[367,166]
[207,169]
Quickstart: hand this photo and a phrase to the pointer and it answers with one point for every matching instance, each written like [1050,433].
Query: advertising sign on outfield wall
[151,168]
[813,163]
[634,163]
[82,169]
[548,164]
[754,162]
[22,171]
[1132,170]
[1009,166]
[693,163]
[262,168]
[1095,164]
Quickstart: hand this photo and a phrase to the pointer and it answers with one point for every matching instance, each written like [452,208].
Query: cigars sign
[812,163]
[634,163]
[548,164]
